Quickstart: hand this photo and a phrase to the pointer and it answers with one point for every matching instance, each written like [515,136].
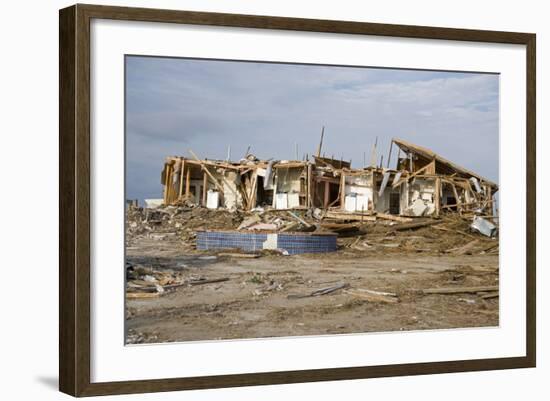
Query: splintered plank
[374,296]
[319,292]
[415,225]
[207,281]
[392,217]
[349,216]
[460,290]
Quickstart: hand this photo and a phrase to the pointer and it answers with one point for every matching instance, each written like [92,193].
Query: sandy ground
[254,302]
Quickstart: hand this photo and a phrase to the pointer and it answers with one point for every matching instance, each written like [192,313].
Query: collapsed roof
[443,166]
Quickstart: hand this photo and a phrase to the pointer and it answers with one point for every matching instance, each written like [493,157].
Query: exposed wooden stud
[188,182]
[437,199]
[389,155]
[309,172]
[321,142]
[342,193]
[204,187]
[167,183]
[182,167]
[374,156]
[326,195]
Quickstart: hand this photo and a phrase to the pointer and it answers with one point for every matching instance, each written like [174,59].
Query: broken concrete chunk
[484,227]
[249,221]
[153,203]
[418,207]
[263,226]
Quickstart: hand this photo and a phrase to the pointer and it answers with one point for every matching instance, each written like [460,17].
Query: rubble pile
[176,222]
[450,233]
[146,282]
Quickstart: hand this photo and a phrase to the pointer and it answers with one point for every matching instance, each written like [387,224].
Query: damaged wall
[421,197]
[358,192]
[232,198]
[288,187]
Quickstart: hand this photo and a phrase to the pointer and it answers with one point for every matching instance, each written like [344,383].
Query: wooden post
[204,188]
[342,193]
[309,171]
[275,184]
[327,193]
[188,182]
[489,198]
[455,192]
[389,155]
[373,155]
[167,185]
[321,142]
[437,199]
[431,168]
[253,195]
[182,168]
[374,192]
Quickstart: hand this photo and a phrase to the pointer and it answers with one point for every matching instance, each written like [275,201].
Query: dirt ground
[260,297]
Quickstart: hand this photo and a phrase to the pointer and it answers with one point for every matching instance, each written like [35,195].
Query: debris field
[388,273]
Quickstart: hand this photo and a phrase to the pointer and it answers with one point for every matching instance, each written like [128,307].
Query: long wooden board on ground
[460,290]
[415,225]
[239,255]
[373,296]
[393,217]
[349,216]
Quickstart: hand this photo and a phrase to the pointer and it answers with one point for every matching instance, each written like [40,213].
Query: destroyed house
[430,184]
[422,184]
[244,185]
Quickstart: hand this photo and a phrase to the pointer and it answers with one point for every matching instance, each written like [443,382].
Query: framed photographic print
[250,200]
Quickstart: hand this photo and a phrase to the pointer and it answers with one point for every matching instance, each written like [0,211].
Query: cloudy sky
[173,105]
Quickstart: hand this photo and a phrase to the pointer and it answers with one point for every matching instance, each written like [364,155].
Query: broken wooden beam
[349,216]
[207,281]
[374,296]
[298,218]
[321,291]
[460,290]
[240,255]
[415,225]
[394,217]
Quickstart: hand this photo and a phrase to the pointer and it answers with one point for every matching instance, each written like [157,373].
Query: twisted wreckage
[422,184]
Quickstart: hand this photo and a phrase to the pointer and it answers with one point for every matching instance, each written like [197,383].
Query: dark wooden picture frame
[74,199]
